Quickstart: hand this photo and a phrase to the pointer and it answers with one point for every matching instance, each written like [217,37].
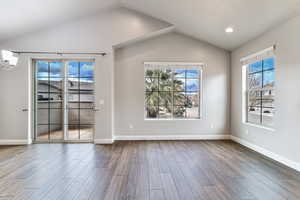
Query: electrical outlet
[247,131]
[130,126]
[212,125]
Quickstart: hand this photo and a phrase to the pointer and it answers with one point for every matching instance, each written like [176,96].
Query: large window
[172,93]
[261,92]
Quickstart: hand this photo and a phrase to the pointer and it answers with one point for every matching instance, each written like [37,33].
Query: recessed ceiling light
[229,30]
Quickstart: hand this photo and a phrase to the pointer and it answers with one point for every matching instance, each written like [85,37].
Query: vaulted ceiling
[202,19]
[207,19]
[18,17]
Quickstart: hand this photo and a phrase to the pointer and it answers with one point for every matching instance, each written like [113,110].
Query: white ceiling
[207,19]
[203,19]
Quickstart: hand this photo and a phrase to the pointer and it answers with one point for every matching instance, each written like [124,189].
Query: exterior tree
[162,89]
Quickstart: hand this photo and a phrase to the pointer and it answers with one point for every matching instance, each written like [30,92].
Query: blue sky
[192,84]
[269,63]
[189,73]
[75,69]
[192,81]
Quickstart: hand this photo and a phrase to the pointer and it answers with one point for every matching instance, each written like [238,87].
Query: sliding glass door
[80,104]
[64,100]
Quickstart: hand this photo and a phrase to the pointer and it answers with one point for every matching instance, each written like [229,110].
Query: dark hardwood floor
[166,170]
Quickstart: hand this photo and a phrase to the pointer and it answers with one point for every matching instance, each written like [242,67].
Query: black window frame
[260,90]
[172,91]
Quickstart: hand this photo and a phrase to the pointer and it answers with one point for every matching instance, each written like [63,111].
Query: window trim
[176,65]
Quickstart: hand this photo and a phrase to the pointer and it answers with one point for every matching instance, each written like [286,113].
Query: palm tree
[159,93]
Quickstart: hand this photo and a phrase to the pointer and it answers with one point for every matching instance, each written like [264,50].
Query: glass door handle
[24,110]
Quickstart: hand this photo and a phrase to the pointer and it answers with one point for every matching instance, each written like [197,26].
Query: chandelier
[8,60]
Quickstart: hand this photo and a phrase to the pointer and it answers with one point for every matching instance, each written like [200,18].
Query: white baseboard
[267,153]
[15,142]
[174,137]
[103,141]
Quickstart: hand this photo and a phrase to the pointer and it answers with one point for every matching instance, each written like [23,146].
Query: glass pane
[254,114]
[87,69]
[165,74]
[193,73]
[87,79]
[268,98]
[86,132]
[179,112]
[152,73]
[269,63]
[72,105]
[86,84]
[73,69]
[42,116]
[56,132]
[151,111]
[269,79]
[165,99]
[56,116]
[192,84]
[165,111]
[151,84]
[255,80]
[56,104]
[73,116]
[42,105]
[151,98]
[86,116]
[179,98]
[192,99]
[55,85]
[179,85]
[42,69]
[165,85]
[55,97]
[73,97]
[73,132]
[268,115]
[179,73]
[87,105]
[42,132]
[255,67]
[73,84]
[87,100]
[86,97]
[43,85]
[254,98]
[192,112]
[43,97]
[165,80]
[55,69]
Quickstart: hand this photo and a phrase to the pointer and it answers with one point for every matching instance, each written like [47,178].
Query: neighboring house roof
[84,86]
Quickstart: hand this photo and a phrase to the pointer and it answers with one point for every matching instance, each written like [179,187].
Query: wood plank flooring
[143,170]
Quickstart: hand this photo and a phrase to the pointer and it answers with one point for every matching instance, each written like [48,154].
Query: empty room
[150,100]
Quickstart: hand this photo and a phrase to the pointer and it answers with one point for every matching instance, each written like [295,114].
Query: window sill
[259,126]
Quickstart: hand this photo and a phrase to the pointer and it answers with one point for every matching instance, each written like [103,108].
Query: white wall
[285,140]
[94,33]
[173,47]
